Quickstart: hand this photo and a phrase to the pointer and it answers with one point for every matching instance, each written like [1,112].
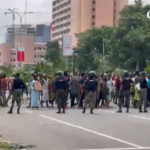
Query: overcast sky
[34,6]
[44,6]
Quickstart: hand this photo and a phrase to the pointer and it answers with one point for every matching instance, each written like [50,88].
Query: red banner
[20,56]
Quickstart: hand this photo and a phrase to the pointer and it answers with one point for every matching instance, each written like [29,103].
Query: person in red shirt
[4,88]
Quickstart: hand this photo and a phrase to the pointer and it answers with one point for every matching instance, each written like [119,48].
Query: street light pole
[13,26]
[21,17]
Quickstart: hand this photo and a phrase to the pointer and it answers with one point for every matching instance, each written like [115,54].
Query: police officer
[143,92]
[17,87]
[90,87]
[60,86]
[125,92]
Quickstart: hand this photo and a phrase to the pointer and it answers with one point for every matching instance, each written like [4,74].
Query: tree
[132,37]
[90,42]
[8,70]
[53,52]
[119,72]
[147,69]
[103,65]
[54,56]
[44,67]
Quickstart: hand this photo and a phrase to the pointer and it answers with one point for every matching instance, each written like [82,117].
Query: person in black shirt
[60,86]
[143,92]
[82,92]
[125,91]
[17,87]
[90,87]
[117,89]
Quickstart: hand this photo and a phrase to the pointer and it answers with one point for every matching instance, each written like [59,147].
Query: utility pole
[20,15]
[13,26]
[25,20]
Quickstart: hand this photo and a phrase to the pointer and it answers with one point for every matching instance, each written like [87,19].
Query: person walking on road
[10,83]
[4,88]
[35,95]
[45,96]
[82,92]
[125,92]
[74,91]
[143,93]
[90,87]
[17,87]
[61,90]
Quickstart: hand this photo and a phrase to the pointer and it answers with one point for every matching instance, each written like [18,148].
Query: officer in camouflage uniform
[17,87]
[143,92]
[90,87]
[60,88]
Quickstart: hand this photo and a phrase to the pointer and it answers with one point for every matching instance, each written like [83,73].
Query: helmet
[92,73]
[143,72]
[126,74]
[60,73]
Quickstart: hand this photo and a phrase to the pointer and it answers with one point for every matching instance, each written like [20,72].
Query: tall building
[42,33]
[32,39]
[19,31]
[33,52]
[76,16]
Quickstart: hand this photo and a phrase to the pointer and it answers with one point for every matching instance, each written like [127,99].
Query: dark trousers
[99,98]
[16,97]
[60,98]
[73,97]
[81,99]
[143,98]
[116,95]
[104,99]
[124,95]
[121,100]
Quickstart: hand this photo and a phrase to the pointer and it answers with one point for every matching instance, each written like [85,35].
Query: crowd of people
[81,90]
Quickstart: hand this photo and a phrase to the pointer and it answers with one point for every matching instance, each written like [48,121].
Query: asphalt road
[105,129]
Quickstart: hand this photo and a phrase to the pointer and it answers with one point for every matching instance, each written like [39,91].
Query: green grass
[4,146]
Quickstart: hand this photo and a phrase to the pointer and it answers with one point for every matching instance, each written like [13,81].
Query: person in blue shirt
[148,90]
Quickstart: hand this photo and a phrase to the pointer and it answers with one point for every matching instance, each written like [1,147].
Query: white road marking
[144,148]
[139,117]
[91,131]
[29,111]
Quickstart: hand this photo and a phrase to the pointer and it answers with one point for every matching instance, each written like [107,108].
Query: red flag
[20,54]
